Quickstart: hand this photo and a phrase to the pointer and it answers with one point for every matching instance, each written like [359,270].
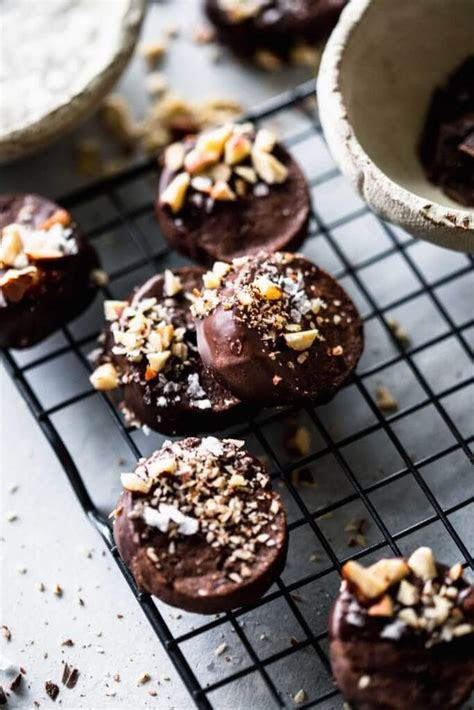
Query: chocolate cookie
[276,27]
[447,146]
[402,635]
[276,329]
[199,526]
[151,352]
[232,191]
[46,269]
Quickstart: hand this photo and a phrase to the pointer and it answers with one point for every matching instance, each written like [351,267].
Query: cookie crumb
[385,400]
[220,649]
[143,678]
[57,591]
[398,332]
[6,632]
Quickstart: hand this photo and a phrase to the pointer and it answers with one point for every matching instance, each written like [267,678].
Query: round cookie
[229,192]
[46,269]
[151,351]
[262,30]
[199,526]
[402,635]
[276,329]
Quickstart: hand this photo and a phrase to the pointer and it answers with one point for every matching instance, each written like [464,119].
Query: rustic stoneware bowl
[376,79]
[106,33]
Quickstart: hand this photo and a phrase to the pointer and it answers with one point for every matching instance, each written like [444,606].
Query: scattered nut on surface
[300,697]
[385,400]
[173,284]
[152,52]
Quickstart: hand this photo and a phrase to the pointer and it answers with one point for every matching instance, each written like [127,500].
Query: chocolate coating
[273,221]
[447,144]
[166,403]
[195,575]
[64,287]
[401,673]
[278,27]
[258,369]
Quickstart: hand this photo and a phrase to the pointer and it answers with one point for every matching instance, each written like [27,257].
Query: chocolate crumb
[6,633]
[73,677]
[67,642]
[51,689]
[65,674]
[3,697]
[15,684]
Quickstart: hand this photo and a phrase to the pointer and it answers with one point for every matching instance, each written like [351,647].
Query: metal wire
[124,220]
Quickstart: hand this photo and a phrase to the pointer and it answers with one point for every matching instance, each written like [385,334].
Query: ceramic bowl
[377,76]
[107,32]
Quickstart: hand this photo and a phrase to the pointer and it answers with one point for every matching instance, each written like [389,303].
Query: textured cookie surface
[199,526]
[402,634]
[46,269]
[275,26]
[277,329]
[152,353]
[230,192]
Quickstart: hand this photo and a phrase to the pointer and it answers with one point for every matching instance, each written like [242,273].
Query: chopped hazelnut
[173,284]
[269,168]
[157,361]
[174,195]
[422,563]
[174,156]
[105,378]
[302,340]
[133,483]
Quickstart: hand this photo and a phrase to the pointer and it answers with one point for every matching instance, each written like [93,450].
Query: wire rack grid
[406,473]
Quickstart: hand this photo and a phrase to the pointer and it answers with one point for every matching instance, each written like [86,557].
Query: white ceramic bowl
[376,79]
[34,112]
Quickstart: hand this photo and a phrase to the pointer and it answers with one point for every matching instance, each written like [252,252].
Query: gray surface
[46,539]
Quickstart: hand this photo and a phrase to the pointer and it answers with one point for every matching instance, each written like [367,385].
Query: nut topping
[105,378]
[302,340]
[422,563]
[222,163]
[15,283]
[175,193]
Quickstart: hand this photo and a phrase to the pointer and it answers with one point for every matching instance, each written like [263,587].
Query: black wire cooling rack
[406,472]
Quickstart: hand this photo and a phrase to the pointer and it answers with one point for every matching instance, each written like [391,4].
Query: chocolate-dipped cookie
[46,269]
[276,329]
[258,30]
[150,351]
[199,526]
[402,634]
[231,191]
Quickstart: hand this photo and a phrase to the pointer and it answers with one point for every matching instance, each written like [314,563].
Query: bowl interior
[395,57]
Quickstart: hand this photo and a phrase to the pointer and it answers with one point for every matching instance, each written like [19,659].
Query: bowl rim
[426,217]
[21,141]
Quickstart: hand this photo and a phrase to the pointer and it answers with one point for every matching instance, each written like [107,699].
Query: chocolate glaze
[277,220]
[403,672]
[141,397]
[278,28]
[194,577]
[447,144]
[64,289]
[239,356]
